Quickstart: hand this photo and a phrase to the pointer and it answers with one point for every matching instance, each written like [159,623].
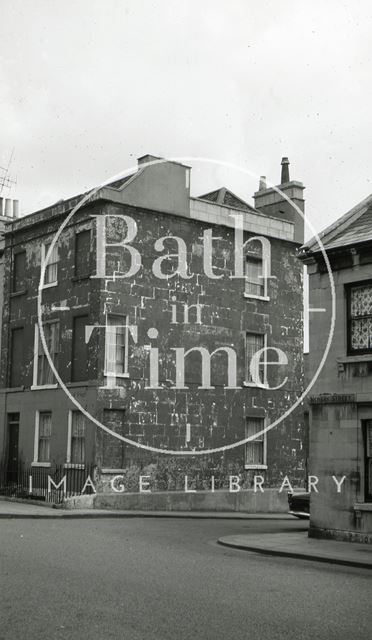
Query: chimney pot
[262,186]
[285,170]
[8,208]
[15,208]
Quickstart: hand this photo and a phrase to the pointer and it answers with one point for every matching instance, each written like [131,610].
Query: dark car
[299,504]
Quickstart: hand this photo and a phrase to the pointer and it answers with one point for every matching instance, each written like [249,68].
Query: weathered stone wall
[158,418]
[216,416]
[336,441]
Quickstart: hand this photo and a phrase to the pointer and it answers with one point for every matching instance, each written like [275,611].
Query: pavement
[285,544]
[299,545]
[10,508]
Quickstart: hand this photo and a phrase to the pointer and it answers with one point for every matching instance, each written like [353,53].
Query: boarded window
[79,349]
[16,357]
[255,448]
[113,448]
[82,254]
[19,272]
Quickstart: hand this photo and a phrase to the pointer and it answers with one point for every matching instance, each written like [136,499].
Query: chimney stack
[147,158]
[285,171]
[271,202]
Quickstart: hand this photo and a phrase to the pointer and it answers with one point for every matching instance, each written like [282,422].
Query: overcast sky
[87,86]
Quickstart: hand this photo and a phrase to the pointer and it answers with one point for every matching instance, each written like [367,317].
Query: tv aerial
[6,180]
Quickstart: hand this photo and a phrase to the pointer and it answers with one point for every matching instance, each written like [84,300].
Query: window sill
[41,464]
[82,383]
[116,375]
[260,467]
[251,295]
[107,470]
[363,506]
[73,465]
[83,277]
[43,386]
[49,285]
[366,357]
[255,386]
[13,389]
[15,294]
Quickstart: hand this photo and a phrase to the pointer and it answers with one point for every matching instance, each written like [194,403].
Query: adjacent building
[154,305]
[340,403]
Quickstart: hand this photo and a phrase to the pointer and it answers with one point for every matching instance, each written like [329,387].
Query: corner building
[102,330]
[340,405]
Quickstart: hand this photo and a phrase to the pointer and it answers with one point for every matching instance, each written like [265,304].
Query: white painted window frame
[35,386]
[36,462]
[43,254]
[263,466]
[264,367]
[68,464]
[266,268]
[125,374]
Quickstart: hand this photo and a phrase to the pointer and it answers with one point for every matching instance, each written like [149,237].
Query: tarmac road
[160,579]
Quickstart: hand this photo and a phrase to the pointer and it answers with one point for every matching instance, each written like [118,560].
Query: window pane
[361,333]
[78,438]
[45,425]
[45,432]
[52,264]
[254,451]
[82,253]
[16,358]
[51,334]
[115,344]
[254,283]
[19,271]
[254,342]
[254,425]
[369,438]
[361,301]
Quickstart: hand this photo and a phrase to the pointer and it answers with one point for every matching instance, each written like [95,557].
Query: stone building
[118,315]
[340,403]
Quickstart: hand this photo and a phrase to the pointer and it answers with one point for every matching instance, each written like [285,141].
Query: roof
[352,228]
[228,198]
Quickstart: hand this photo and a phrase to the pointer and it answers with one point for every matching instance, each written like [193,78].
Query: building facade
[154,305]
[340,403]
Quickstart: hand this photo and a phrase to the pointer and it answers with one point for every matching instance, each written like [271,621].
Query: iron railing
[46,483]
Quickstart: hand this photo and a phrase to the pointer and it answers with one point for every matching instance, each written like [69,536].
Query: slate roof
[119,183]
[228,198]
[352,228]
